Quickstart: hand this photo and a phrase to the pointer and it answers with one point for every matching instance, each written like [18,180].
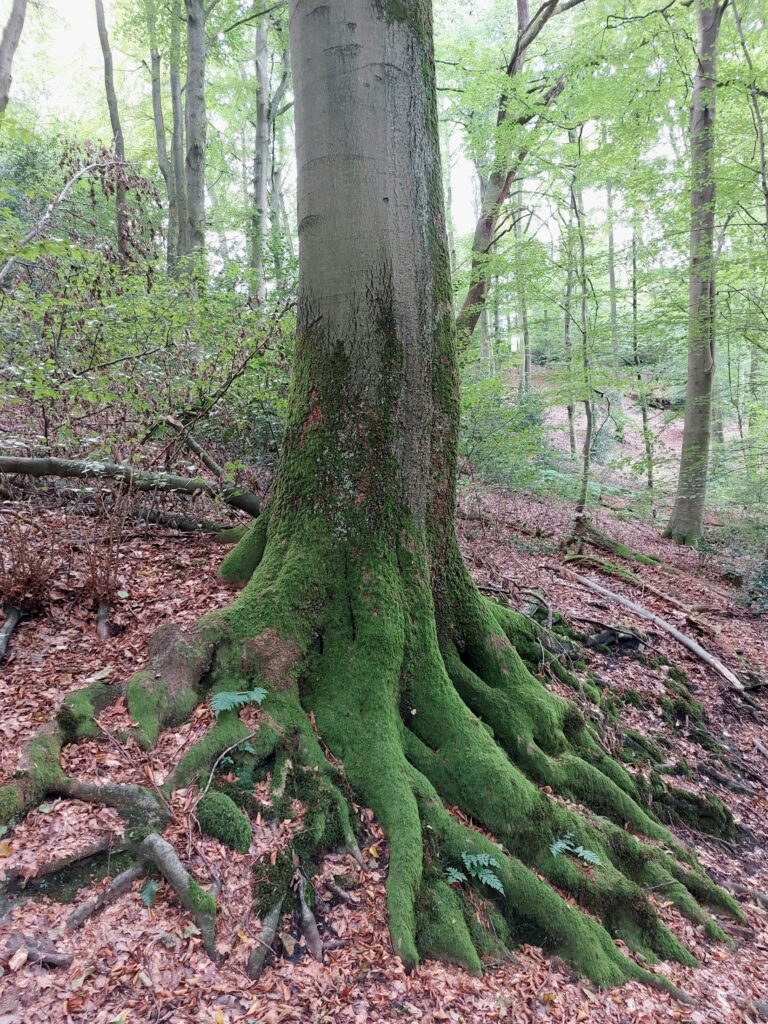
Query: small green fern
[565,844]
[230,700]
[454,876]
[478,866]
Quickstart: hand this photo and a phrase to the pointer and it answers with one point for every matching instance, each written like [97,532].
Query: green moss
[221,818]
[241,563]
[442,929]
[10,802]
[633,698]
[226,731]
[200,901]
[78,712]
[707,814]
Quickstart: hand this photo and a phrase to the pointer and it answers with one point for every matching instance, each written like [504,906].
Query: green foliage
[149,892]
[480,867]
[230,700]
[565,844]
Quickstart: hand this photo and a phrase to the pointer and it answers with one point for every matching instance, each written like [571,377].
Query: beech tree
[686,524]
[358,621]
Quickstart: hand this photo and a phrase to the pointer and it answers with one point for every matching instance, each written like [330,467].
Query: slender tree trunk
[8,44]
[687,521]
[196,126]
[641,395]
[161,145]
[567,329]
[121,210]
[260,159]
[522,296]
[617,395]
[577,205]
[178,165]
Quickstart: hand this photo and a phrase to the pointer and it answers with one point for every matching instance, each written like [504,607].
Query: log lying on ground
[643,613]
[139,480]
[622,573]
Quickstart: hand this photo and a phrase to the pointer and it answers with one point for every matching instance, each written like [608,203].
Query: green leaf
[149,892]
[230,700]
[455,876]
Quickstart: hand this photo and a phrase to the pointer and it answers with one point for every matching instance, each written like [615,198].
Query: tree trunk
[121,212]
[687,521]
[567,328]
[196,127]
[260,159]
[161,145]
[358,619]
[577,206]
[617,394]
[641,395]
[8,45]
[178,166]
[522,297]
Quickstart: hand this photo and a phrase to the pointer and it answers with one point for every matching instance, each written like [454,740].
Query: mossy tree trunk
[357,615]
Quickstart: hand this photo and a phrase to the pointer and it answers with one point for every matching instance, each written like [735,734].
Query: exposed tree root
[119,884]
[258,957]
[371,695]
[12,619]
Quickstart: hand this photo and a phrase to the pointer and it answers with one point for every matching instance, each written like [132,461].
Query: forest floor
[134,963]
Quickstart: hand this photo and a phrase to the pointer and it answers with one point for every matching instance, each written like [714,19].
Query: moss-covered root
[243,560]
[169,688]
[195,899]
[532,910]
[40,773]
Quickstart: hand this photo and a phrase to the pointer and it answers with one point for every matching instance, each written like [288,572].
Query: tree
[358,622]
[195,127]
[118,142]
[686,524]
[8,44]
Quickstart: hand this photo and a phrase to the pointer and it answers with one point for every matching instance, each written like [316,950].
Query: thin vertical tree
[8,46]
[118,142]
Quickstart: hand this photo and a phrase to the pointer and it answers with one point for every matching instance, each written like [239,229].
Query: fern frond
[230,700]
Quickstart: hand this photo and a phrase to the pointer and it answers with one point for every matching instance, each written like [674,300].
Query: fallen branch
[23,949]
[622,573]
[667,627]
[139,480]
[120,884]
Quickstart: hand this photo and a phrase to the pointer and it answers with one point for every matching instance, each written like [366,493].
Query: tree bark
[196,128]
[686,524]
[617,395]
[522,296]
[121,211]
[8,44]
[260,158]
[178,166]
[642,398]
[161,144]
